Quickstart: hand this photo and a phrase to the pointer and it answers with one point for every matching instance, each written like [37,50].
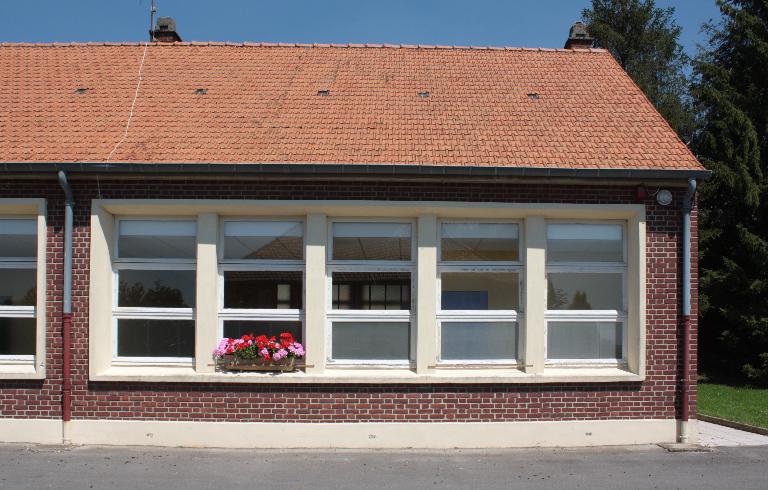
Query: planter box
[231,363]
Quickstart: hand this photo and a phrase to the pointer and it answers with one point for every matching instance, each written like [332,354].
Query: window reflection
[371,291]
[158,289]
[263,289]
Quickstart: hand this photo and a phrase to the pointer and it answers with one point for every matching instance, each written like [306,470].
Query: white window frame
[147,313]
[591,316]
[384,316]
[486,316]
[258,265]
[318,269]
[20,311]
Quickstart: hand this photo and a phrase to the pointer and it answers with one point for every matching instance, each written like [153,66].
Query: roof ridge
[248,44]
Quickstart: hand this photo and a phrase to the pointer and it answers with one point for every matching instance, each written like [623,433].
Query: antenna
[152,12]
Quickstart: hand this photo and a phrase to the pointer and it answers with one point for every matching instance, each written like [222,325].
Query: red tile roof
[507,107]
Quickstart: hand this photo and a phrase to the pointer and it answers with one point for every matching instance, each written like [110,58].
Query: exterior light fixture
[664,197]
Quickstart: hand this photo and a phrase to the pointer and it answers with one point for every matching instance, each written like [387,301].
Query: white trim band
[432,435]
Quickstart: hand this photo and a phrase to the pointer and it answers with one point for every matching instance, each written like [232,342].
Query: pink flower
[264,353]
[281,353]
[296,349]
[221,349]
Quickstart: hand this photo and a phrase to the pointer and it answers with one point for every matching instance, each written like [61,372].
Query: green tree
[731,95]
[644,39]
[580,301]
[556,298]
[159,296]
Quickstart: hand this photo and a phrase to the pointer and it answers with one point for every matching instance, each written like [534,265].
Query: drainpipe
[66,325]
[686,311]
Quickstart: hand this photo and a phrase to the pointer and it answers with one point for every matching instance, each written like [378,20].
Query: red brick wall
[654,398]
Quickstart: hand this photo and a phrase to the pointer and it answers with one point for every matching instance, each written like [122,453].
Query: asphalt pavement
[39,467]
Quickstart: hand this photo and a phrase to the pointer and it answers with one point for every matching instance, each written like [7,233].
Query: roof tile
[261,105]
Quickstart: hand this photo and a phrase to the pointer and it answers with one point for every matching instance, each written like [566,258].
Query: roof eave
[351,170]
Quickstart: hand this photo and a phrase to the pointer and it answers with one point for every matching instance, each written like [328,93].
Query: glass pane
[264,240]
[478,340]
[371,241]
[147,239]
[479,242]
[584,340]
[379,341]
[371,291]
[263,289]
[480,291]
[18,287]
[17,336]
[18,238]
[237,328]
[158,289]
[156,338]
[584,291]
[584,243]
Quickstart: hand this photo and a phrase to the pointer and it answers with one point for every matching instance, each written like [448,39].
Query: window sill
[371,376]
[20,370]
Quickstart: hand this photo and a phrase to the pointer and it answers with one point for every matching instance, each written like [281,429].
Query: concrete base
[580,433]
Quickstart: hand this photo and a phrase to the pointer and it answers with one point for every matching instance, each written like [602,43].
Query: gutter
[66,326]
[685,313]
[351,170]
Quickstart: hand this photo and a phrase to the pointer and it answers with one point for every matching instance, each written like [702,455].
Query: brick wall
[654,398]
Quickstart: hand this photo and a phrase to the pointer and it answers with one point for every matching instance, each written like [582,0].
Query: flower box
[232,363]
[258,353]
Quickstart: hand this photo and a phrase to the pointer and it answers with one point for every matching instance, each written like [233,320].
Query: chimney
[165,31]
[578,37]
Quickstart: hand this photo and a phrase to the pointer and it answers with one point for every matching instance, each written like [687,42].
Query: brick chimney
[578,37]
[165,31]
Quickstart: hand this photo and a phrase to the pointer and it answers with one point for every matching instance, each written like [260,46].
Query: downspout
[66,324]
[686,312]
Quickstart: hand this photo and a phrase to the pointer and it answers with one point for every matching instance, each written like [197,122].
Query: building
[479,247]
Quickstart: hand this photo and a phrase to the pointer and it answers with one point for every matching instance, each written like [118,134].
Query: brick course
[655,398]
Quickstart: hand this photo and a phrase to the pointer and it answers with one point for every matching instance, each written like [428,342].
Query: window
[155,292]
[370,274]
[18,289]
[261,278]
[480,273]
[586,313]
[448,292]
[263,240]
[372,241]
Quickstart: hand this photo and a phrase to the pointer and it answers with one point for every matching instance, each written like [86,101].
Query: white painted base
[35,431]
[344,435]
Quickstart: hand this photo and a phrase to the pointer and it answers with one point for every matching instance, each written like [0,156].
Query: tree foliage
[731,95]
[644,39]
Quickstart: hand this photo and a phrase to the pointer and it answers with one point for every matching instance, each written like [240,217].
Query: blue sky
[532,23]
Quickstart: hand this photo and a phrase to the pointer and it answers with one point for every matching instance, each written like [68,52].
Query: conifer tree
[644,39]
[731,96]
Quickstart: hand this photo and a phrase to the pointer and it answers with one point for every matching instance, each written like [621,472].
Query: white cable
[133,104]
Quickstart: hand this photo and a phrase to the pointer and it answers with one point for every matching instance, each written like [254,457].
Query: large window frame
[484,316]
[364,316]
[258,265]
[619,316]
[148,313]
[21,311]
[29,366]
[425,267]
